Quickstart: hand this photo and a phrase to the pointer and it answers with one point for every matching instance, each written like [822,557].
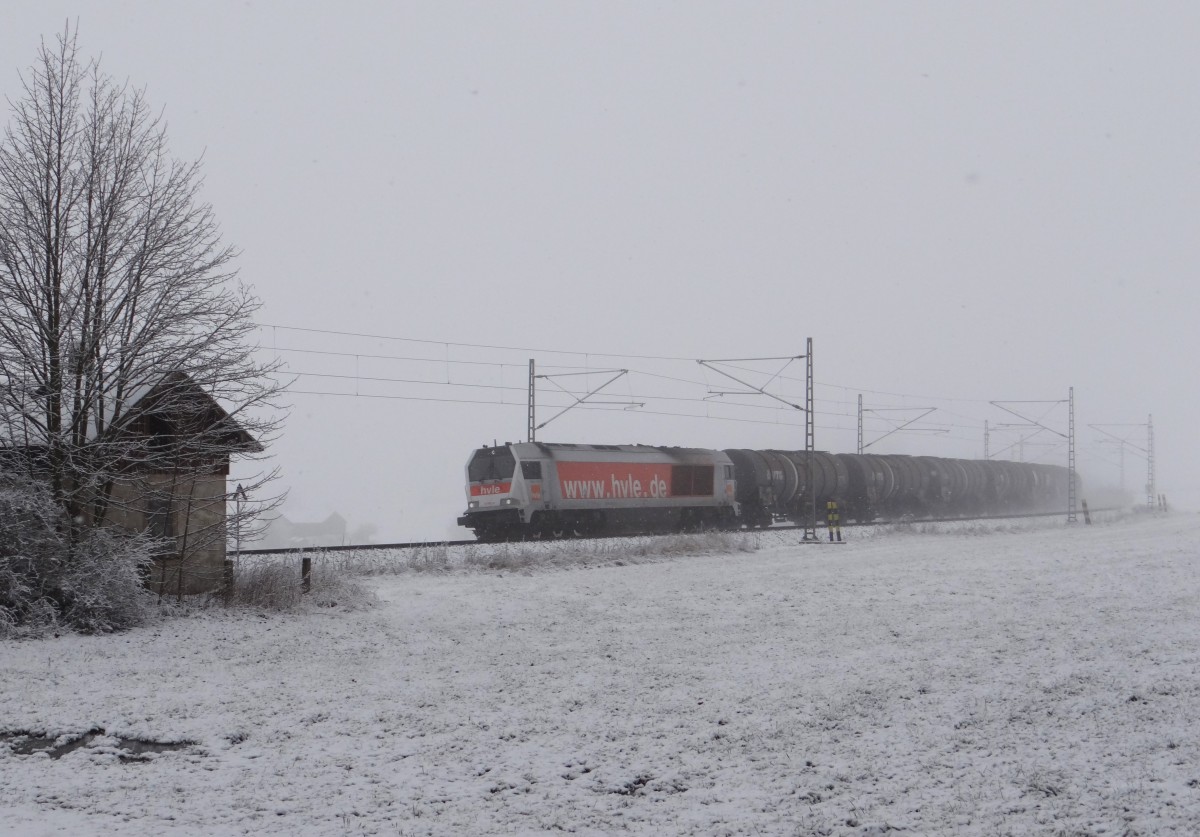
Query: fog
[959,204]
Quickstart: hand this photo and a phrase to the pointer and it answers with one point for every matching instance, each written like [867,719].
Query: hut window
[158,515]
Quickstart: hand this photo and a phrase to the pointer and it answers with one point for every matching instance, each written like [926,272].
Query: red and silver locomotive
[554,490]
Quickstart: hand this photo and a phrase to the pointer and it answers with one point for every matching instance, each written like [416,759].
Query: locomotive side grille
[691,480]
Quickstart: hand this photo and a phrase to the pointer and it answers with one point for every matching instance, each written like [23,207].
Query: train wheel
[592,526]
[562,529]
[693,523]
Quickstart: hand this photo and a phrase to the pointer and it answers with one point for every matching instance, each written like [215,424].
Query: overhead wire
[972,423]
[512,404]
[873,420]
[492,347]
[578,353]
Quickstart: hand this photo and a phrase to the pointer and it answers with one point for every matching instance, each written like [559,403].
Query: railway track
[301,550]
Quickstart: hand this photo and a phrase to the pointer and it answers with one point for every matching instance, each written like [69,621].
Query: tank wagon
[557,490]
[774,485]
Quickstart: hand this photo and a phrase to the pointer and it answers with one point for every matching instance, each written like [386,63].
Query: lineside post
[531,426]
[833,520]
[810,526]
[860,444]
[1150,489]
[1071,500]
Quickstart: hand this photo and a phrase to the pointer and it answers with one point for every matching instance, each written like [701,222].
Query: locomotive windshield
[491,464]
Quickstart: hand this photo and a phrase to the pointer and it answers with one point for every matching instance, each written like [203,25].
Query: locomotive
[537,489]
[555,490]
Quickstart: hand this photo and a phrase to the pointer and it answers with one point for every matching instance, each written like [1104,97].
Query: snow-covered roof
[177,389]
[161,397]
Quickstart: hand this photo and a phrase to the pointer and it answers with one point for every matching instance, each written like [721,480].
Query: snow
[940,680]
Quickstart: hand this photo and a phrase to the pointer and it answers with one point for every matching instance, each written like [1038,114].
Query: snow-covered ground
[940,680]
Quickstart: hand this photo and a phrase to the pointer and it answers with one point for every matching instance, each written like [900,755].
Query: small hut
[162,464]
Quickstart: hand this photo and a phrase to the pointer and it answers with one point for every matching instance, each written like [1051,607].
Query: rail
[300,550]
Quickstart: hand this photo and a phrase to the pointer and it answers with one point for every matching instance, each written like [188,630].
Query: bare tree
[124,322]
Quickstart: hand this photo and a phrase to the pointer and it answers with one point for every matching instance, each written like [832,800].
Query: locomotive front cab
[504,488]
[489,477]
[491,507]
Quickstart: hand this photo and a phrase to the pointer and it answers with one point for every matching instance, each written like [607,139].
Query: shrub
[102,586]
[31,556]
[92,584]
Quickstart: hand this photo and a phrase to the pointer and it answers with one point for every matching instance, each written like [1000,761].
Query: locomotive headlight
[508,501]
[472,504]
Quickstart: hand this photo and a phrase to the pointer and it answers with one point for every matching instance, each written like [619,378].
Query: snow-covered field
[937,681]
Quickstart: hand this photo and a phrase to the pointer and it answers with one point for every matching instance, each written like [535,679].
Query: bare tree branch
[125,320]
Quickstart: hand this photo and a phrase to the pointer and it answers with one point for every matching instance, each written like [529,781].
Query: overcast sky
[959,202]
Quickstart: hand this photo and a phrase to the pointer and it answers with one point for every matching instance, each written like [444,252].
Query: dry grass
[277,585]
[1007,525]
[606,551]
[274,579]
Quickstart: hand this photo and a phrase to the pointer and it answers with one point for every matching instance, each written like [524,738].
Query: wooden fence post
[305,574]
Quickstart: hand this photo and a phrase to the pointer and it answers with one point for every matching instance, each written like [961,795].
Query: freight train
[535,489]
